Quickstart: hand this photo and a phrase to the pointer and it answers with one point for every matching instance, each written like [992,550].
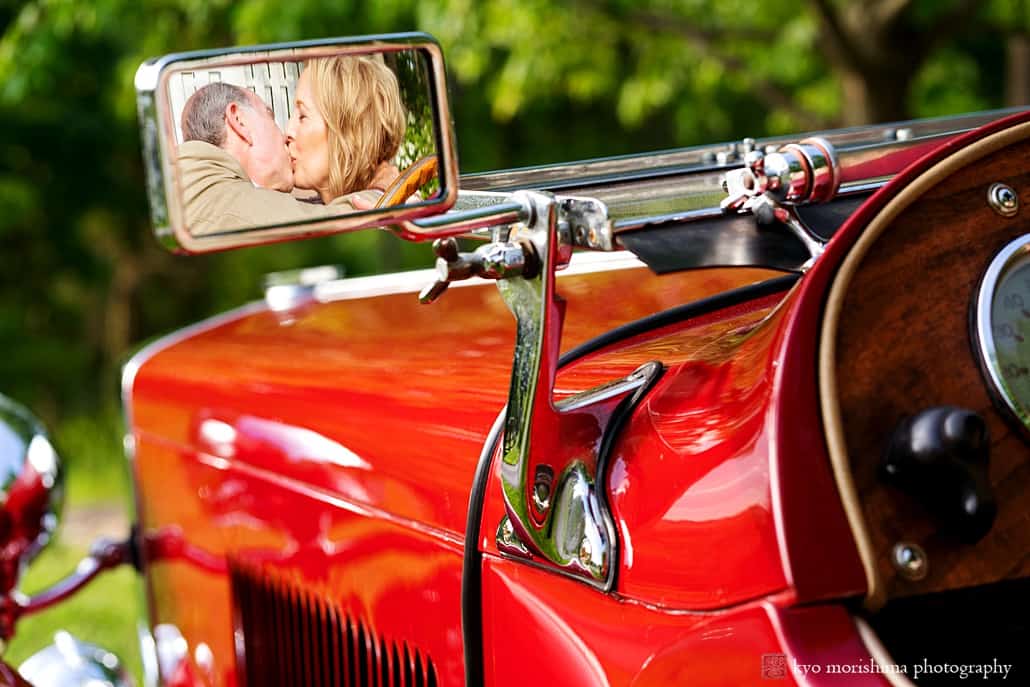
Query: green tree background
[531,81]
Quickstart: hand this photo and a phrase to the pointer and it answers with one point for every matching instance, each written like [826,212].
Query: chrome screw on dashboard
[910,561]
[1003,199]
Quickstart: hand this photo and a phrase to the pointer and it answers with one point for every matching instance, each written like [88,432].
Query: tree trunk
[877,52]
[871,98]
[1017,72]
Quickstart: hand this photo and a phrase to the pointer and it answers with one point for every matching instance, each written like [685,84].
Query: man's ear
[234,120]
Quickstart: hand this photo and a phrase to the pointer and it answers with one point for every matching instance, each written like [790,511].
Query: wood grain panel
[903,345]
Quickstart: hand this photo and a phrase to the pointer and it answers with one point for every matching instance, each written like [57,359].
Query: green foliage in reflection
[413,75]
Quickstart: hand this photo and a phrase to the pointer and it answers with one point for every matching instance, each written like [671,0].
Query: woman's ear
[235,121]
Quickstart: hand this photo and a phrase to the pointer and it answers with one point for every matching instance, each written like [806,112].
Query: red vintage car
[753,413]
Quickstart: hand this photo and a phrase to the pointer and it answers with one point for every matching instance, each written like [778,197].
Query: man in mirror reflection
[237,173]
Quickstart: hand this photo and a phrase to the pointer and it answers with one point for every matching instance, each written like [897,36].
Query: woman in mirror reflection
[347,124]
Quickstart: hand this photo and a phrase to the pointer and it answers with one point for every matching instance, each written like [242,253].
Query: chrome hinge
[579,222]
[771,185]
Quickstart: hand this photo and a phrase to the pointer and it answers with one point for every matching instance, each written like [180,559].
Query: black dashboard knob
[940,456]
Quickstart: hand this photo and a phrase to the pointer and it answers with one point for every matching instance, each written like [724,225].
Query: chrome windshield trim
[697,196]
[676,187]
[649,197]
[635,223]
[693,159]
[857,188]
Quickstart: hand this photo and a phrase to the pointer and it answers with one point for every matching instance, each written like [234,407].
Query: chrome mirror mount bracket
[553,487]
[557,514]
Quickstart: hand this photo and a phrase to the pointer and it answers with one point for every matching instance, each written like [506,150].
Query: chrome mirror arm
[583,221]
[471,219]
[105,554]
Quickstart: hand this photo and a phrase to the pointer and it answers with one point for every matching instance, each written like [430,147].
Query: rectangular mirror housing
[253,145]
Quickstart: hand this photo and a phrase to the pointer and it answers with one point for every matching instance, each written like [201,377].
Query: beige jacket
[219,196]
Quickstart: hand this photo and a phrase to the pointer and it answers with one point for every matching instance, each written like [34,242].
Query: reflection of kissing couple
[237,169]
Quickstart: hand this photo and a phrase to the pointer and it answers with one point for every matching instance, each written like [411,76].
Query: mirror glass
[268,143]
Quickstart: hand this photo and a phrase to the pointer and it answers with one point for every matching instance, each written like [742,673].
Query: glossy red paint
[405,580]
[580,638]
[815,539]
[697,478]
[336,443]
[825,647]
[25,503]
[690,475]
[884,164]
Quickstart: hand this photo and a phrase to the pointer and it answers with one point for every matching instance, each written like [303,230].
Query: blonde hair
[360,100]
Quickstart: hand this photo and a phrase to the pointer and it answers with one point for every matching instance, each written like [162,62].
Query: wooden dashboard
[903,344]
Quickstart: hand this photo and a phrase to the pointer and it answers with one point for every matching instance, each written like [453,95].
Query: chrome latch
[564,519]
[556,513]
[497,260]
[771,185]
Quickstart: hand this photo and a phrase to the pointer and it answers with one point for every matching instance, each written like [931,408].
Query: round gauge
[1003,327]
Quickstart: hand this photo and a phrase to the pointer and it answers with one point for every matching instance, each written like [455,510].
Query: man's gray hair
[203,116]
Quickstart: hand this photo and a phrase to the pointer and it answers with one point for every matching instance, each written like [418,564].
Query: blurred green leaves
[532,81]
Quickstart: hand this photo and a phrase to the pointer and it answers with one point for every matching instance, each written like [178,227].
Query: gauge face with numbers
[1002,322]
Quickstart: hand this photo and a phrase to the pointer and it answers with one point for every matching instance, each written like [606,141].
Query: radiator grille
[287,634]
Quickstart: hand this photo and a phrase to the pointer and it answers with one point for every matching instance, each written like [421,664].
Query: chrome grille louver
[289,634]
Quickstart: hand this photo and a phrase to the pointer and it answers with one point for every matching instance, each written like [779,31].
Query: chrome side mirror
[267,143]
[31,491]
